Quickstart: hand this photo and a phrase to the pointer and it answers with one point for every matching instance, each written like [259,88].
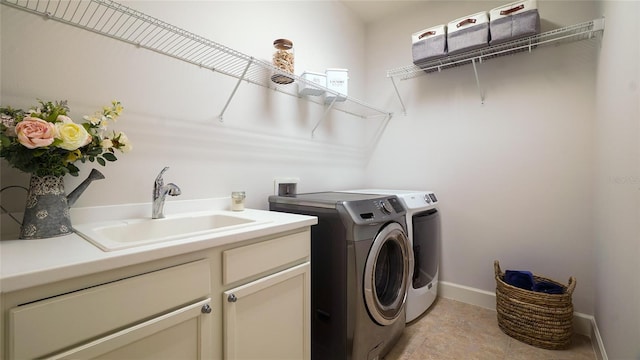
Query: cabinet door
[181,334]
[269,318]
[51,325]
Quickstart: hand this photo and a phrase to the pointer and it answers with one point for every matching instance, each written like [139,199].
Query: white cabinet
[269,317]
[172,308]
[119,317]
[181,334]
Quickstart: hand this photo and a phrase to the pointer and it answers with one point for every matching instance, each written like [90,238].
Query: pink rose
[33,132]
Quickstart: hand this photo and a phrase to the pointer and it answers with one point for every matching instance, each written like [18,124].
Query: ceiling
[372,10]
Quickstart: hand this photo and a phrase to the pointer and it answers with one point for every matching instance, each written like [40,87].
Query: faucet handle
[159,177]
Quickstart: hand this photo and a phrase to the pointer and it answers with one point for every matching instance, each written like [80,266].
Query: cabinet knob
[206,309]
[232,298]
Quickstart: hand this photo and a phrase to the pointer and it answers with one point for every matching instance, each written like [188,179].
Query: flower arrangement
[45,141]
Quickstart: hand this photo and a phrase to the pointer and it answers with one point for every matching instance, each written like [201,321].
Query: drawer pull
[232,298]
[206,309]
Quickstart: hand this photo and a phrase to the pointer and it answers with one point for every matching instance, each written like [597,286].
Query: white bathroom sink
[121,234]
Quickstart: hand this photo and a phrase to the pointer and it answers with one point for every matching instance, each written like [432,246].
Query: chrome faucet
[160,192]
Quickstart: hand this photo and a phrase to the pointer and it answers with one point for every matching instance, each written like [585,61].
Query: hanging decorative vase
[46,212]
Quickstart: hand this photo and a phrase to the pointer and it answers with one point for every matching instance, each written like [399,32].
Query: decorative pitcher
[46,211]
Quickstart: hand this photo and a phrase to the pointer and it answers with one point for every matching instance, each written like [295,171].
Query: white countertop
[27,263]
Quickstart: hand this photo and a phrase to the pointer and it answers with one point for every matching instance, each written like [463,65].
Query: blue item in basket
[520,279]
[548,287]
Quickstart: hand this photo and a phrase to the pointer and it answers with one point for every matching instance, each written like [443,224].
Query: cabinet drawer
[250,260]
[53,324]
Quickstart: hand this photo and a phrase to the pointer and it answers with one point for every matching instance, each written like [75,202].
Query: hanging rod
[123,23]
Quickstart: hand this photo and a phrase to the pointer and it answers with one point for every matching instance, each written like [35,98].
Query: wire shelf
[582,31]
[120,22]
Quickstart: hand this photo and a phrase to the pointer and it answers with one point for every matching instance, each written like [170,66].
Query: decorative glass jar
[283,59]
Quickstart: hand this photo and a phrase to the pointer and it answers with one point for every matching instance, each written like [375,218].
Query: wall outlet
[285,186]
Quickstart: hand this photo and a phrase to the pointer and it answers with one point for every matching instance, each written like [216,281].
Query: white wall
[171,106]
[617,185]
[514,175]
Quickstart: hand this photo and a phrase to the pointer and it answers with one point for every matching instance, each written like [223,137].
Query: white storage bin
[312,78]
[515,20]
[429,44]
[468,33]
[338,81]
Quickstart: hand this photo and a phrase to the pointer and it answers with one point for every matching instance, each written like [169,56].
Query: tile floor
[452,330]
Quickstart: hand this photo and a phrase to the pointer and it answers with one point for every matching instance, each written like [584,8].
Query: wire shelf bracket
[235,88]
[583,31]
[117,21]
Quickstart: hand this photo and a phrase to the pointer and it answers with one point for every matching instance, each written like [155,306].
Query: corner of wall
[596,341]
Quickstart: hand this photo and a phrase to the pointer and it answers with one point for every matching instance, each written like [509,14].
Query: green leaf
[73,170]
[101,161]
[109,156]
[95,151]
[5,140]
[53,116]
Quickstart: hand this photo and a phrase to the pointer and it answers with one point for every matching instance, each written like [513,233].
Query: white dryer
[423,230]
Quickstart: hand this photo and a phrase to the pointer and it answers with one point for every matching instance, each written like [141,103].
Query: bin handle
[496,268]
[571,286]
[512,10]
[426,34]
[465,22]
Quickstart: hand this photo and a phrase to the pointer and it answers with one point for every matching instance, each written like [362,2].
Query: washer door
[387,274]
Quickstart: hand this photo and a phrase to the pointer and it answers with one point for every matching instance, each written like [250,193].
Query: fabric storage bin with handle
[429,44]
[513,21]
[536,318]
[468,33]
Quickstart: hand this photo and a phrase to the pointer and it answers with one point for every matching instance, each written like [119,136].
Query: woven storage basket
[536,318]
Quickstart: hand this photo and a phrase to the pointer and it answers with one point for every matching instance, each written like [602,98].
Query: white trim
[583,324]
[467,295]
[596,340]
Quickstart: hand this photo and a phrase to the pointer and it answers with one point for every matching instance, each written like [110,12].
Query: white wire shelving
[123,23]
[583,31]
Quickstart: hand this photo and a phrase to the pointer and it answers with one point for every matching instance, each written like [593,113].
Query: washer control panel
[375,210]
[390,206]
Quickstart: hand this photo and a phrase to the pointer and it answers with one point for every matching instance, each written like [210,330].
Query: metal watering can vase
[46,211]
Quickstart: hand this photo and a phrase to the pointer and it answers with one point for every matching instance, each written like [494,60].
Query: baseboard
[596,340]
[583,324]
[467,295]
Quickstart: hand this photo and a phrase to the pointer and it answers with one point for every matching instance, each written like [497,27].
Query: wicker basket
[536,318]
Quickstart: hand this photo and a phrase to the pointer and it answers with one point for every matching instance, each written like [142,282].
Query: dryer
[361,264]
[423,227]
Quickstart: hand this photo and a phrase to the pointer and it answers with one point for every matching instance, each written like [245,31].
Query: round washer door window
[387,274]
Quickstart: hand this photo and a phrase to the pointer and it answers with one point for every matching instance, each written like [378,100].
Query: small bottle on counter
[283,59]
[237,200]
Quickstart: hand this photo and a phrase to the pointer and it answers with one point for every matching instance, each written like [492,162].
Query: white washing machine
[423,228]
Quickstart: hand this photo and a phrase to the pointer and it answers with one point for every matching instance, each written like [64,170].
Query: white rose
[73,136]
[106,143]
[125,144]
